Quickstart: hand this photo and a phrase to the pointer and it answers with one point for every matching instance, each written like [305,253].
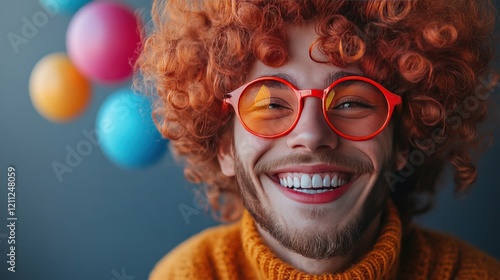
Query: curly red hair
[431,52]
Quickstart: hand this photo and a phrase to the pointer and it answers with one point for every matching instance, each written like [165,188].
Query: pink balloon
[103,41]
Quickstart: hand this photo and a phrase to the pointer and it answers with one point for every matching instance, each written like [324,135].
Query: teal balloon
[127,134]
[63,6]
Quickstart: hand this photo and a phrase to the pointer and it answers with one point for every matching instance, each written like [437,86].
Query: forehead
[302,70]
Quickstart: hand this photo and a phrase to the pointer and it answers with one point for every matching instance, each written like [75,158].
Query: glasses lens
[356,108]
[268,107]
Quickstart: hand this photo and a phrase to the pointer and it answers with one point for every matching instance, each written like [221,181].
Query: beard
[314,244]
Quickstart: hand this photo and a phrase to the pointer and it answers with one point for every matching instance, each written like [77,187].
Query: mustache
[353,163]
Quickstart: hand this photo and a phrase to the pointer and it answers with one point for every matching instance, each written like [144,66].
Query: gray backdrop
[103,222]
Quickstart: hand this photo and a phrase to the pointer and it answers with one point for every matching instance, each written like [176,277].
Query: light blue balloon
[63,6]
[126,132]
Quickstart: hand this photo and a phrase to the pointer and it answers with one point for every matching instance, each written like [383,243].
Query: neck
[332,265]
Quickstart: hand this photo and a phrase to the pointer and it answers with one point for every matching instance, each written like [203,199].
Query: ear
[401,158]
[225,156]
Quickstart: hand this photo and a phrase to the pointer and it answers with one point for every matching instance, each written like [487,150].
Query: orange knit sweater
[237,252]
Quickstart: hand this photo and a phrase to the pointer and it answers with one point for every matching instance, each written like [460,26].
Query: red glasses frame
[392,101]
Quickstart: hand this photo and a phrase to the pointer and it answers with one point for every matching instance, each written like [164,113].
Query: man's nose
[312,132]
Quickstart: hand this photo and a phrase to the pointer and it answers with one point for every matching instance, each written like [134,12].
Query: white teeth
[326,181]
[308,181]
[296,182]
[334,182]
[317,182]
[312,191]
[341,182]
[305,181]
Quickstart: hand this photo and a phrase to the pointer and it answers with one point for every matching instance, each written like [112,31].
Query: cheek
[248,146]
[379,150]
[386,148]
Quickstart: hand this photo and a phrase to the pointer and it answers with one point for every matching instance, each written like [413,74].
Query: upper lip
[316,168]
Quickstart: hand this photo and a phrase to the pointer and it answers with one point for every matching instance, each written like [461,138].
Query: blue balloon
[64,6]
[126,131]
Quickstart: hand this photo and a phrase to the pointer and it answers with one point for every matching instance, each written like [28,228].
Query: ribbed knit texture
[238,252]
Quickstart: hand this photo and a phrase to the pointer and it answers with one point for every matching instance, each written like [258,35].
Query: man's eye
[274,106]
[353,105]
[270,104]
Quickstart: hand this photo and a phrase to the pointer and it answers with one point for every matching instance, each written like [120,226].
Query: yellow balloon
[58,91]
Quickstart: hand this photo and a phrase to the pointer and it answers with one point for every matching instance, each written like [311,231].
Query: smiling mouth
[313,183]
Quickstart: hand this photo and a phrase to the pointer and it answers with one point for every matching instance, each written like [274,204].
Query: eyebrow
[283,76]
[332,77]
[329,79]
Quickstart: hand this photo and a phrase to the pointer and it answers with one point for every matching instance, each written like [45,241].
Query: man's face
[319,224]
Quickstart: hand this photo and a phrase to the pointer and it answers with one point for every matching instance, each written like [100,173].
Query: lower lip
[319,198]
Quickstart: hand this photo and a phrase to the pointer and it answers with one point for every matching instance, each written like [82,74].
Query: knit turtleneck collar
[380,263]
